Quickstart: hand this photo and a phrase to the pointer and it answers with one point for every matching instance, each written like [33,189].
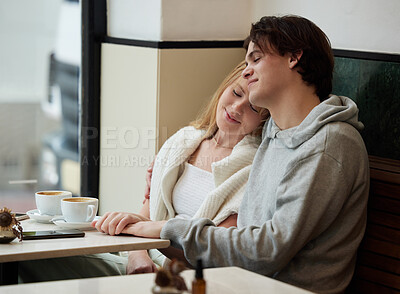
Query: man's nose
[247,72]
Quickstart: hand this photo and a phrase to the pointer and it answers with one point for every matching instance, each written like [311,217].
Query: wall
[350,24]
[179,20]
[148,93]
[126,124]
[126,21]
[364,25]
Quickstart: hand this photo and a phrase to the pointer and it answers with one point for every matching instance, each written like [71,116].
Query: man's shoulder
[335,139]
[343,142]
[342,133]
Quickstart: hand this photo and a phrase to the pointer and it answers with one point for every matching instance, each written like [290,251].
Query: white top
[185,198]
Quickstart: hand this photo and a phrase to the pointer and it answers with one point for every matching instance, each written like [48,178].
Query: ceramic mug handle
[91,213]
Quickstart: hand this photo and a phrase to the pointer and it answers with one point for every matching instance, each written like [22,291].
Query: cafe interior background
[149,66]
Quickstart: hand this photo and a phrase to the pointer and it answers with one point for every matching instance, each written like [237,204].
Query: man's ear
[295,58]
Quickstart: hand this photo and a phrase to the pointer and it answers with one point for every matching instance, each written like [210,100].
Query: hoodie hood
[334,109]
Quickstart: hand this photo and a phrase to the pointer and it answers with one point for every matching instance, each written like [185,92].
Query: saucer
[61,222]
[40,218]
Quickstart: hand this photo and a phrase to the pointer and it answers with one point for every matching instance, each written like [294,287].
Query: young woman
[201,171]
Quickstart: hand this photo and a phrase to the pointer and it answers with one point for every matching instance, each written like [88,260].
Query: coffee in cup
[49,202]
[79,209]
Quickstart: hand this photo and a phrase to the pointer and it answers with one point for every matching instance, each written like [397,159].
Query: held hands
[113,223]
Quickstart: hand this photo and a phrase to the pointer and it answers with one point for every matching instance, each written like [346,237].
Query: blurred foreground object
[10,227]
[168,280]
[199,284]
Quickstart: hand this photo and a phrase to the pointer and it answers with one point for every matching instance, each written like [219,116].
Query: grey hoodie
[304,211]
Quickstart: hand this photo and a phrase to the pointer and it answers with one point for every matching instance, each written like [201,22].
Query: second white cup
[79,209]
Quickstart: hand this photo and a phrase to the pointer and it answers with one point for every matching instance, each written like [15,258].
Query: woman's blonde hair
[207,118]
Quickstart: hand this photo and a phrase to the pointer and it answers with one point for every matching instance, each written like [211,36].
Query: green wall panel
[375,87]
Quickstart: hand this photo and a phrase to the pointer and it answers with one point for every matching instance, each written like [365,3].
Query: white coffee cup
[49,202]
[79,209]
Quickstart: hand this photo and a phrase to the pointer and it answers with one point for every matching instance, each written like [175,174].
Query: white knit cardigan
[230,176]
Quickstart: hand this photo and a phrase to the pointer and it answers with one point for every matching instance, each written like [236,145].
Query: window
[39,99]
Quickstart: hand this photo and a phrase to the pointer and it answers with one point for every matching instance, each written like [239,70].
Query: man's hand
[113,223]
[149,173]
[140,262]
[147,229]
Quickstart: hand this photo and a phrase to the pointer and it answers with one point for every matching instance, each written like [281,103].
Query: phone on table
[35,235]
[21,216]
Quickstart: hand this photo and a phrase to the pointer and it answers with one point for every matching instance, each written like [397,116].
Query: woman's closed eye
[236,93]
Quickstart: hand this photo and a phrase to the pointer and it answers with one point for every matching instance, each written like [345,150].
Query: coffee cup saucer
[40,218]
[61,222]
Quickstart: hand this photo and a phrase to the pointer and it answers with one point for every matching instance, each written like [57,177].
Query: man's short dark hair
[292,34]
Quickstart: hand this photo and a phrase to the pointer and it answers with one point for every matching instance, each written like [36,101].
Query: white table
[227,280]
[93,242]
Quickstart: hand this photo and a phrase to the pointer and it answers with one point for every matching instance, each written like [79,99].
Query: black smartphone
[35,235]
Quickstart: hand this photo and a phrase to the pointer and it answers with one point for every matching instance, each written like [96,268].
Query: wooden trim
[385,189]
[379,277]
[383,233]
[384,169]
[384,164]
[367,287]
[380,262]
[379,218]
[388,203]
[385,176]
[381,247]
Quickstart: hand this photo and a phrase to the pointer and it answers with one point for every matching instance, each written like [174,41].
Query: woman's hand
[139,262]
[147,229]
[113,223]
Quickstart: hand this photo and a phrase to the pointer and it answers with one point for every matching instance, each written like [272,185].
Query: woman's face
[235,114]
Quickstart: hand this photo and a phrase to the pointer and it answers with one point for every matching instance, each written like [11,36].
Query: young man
[304,211]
